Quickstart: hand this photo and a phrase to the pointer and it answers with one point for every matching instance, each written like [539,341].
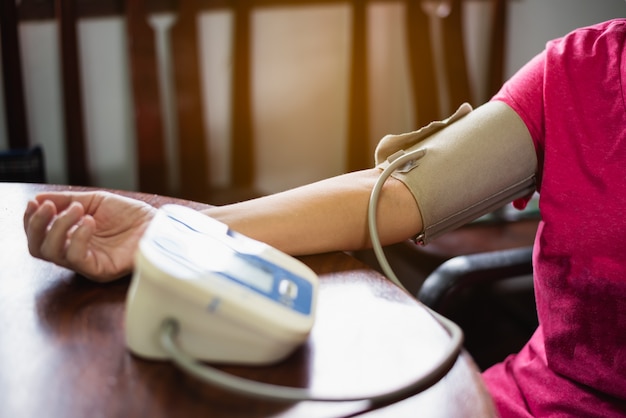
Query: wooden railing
[149,129]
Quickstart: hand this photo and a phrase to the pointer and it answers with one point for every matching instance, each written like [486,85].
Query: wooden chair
[192,141]
[192,148]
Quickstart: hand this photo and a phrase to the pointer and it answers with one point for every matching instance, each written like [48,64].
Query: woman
[572,101]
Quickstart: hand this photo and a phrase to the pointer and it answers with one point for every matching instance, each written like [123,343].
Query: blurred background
[301,64]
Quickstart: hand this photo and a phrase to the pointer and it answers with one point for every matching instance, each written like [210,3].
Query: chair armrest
[468,270]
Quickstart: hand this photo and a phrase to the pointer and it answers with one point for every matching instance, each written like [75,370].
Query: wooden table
[63,354]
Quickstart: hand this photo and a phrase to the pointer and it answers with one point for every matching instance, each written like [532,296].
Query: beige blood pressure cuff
[465,166]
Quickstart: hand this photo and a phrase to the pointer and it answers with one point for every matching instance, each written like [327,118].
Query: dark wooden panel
[151,160]
[422,68]
[192,149]
[359,155]
[44,9]
[454,57]
[242,152]
[75,145]
[15,105]
[498,45]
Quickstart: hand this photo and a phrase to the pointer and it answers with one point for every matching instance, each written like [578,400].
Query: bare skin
[96,233]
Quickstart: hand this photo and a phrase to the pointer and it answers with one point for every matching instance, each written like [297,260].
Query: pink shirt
[572,98]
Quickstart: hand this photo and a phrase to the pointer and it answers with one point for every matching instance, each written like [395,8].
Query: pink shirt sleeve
[524,94]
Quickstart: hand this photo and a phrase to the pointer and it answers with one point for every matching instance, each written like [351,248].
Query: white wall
[533,22]
[300,84]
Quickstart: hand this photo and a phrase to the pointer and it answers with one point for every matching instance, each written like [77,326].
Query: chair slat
[359,155]
[498,44]
[12,77]
[151,160]
[75,144]
[457,79]
[192,145]
[243,164]
[422,69]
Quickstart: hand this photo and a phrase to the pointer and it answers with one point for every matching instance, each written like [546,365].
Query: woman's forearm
[325,216]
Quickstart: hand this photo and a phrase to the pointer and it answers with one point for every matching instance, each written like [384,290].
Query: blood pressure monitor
[204,293]
[235,299]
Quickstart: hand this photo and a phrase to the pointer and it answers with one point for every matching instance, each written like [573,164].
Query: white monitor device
[236,300]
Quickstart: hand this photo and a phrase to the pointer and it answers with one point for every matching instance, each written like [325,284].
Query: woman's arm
[325,216]
[96,234]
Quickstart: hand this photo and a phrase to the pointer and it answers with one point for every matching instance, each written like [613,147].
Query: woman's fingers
[54,244]
[77,251]
[31,207]
[36,221]
[60,199]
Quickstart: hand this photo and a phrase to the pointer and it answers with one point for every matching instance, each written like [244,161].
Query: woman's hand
[95,234]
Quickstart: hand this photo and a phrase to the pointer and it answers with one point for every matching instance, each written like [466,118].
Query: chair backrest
[426,95]
[193,164]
